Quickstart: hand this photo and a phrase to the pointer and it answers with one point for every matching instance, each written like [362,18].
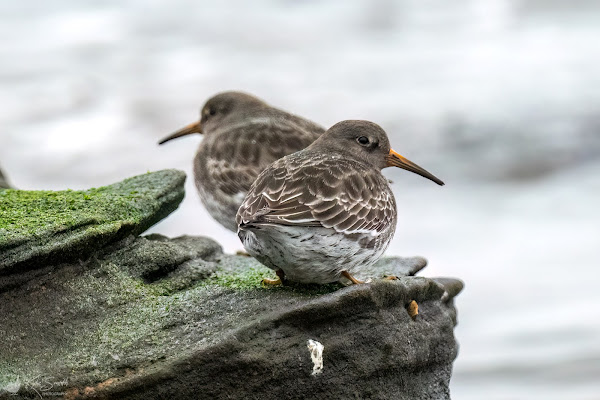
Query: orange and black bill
[396,160]
[188,130]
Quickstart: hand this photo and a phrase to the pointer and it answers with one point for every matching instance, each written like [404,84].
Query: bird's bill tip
[396,160]
[194,127]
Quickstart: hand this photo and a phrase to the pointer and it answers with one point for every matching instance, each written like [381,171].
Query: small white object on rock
[316,354]
[12,387]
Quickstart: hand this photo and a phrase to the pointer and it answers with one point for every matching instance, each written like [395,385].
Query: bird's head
[368,142]
[222,107]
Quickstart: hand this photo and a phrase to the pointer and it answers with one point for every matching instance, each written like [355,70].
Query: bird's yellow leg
[242,253]
[275,282]
[352,279]
[390,278]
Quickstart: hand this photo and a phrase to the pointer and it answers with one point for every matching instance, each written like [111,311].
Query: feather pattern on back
[231,157]
[321,190]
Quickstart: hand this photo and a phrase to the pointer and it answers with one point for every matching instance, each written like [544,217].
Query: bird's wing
[333,193]
[242,152]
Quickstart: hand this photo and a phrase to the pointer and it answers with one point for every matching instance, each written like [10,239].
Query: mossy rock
[156,318]
[44,227]
[90,310]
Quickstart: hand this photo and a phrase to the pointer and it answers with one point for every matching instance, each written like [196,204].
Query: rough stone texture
[394,266]
[154,318]
[43,227]
[158,318]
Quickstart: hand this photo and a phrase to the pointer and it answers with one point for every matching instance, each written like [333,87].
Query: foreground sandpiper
[321,213]
[242,136]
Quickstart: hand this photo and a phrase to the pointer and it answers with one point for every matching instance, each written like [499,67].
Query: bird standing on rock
[321,213]
[243,135]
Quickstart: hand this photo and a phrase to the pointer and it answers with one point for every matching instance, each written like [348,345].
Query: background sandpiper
[243,135]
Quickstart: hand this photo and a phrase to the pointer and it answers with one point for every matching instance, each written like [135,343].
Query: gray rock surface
[154,318]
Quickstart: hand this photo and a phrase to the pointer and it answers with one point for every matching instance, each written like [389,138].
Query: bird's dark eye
[363,140]
[212,111]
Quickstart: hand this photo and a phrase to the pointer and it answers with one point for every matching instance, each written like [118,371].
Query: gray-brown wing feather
[237,155]
[320,190]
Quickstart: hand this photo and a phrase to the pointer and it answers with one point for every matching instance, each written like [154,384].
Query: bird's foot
[275,282]
[413,309]
[390,278]
[271,282]
[242,253]
[352,279]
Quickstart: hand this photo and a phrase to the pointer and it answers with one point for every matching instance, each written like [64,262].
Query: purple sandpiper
[242,136]
[321,213]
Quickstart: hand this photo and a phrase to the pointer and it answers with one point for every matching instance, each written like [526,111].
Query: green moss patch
[244,273]
[59,226]
[250,278]
[28,213]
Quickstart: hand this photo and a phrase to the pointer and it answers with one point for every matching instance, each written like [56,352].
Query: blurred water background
[499,98]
